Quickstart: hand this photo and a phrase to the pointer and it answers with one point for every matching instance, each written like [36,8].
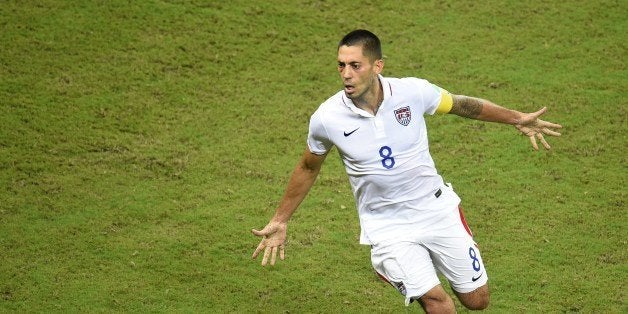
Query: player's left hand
[534,128]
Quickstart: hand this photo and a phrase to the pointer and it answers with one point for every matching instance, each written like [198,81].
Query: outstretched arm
[527,123]
[274,233]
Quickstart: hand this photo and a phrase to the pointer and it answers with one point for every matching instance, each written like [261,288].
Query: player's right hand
[273,240]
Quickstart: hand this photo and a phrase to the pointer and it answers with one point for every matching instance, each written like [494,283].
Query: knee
[478,304]
[476,300]
[441,305]
[437,301]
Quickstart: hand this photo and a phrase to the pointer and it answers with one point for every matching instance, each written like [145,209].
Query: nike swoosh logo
[474,279]
[347,134]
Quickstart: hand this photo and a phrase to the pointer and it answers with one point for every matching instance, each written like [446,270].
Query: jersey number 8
[387,160]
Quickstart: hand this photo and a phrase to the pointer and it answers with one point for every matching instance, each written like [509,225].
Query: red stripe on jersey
[382,277]
[464,221]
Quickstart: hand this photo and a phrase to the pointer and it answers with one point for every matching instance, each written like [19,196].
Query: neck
[371,102]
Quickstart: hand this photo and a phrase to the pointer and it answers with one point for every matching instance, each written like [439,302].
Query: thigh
[407,266]
[457,257]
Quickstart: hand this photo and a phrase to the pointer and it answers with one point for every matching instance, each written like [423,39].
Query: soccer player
[408,215]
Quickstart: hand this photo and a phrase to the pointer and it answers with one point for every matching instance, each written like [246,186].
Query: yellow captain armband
[446,102]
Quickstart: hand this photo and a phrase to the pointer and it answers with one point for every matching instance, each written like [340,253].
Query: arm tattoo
[467,107]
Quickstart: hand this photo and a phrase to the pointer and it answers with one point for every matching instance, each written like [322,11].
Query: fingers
[542,139]
[547,125]
[550,132]
[540,112]
[282,252]
[533,141]
[267,252]
[262,244]
[270,253]
[533,117]
[533,138]
[259,248]
[550,125]
[273,256]
[260,233]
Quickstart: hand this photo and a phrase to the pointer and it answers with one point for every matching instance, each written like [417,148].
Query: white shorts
[411,266]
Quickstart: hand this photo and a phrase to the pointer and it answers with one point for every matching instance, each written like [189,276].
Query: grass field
[140,141]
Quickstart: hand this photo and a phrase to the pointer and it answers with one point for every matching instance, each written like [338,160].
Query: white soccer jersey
[386,156]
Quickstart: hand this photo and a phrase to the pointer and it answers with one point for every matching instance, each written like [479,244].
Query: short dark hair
[371,46]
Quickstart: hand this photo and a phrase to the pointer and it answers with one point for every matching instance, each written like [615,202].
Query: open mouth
[349,89]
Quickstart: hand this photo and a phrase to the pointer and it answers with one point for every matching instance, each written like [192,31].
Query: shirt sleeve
[434,98]
[446,102]
[317,139]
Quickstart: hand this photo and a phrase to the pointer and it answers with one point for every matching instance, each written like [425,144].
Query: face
[358,72]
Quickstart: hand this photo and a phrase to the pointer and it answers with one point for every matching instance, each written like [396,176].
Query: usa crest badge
[403,115]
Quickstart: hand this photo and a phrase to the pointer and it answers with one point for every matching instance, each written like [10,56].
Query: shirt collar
[386,89]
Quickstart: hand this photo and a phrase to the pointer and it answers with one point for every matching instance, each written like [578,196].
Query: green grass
[141,141]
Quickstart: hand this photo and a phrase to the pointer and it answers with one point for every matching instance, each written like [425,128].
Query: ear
[378,66]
